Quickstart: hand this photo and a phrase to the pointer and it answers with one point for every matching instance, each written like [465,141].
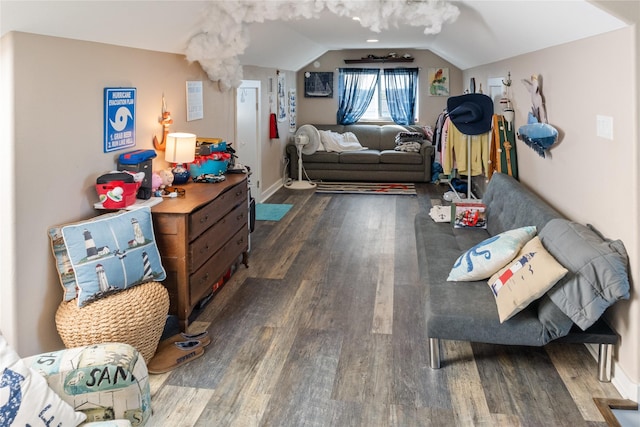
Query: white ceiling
[485,31]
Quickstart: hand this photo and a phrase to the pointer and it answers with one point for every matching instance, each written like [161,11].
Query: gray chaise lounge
[466,311]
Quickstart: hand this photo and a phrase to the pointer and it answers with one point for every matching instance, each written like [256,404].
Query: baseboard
[627,388]
[271,191]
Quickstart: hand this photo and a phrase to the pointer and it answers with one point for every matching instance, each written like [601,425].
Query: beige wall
[323,110]
[589,178]
[272,150]
[58,144]
[57,118]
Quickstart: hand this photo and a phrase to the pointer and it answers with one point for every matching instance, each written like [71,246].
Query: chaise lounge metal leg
[434,353]
[605,356]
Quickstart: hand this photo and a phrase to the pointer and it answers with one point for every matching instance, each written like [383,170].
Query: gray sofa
[466,311]
[379,163]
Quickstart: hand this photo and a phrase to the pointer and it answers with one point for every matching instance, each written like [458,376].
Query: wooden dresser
[200,236]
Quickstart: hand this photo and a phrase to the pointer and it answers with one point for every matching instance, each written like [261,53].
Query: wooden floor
[325,328]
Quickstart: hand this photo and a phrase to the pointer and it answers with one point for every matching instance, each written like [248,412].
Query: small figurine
[160,180]
[167,177]
[156,182]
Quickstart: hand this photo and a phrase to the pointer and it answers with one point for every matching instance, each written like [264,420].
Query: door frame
[256,171]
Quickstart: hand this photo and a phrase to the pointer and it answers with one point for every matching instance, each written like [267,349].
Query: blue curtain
[401,89]
[355,90]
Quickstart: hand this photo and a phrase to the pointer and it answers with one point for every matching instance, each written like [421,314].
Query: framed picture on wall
[318,84]
[282,98]
[438,81]
[292,110]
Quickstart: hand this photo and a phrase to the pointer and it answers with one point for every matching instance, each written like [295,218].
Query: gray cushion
[388,135]
[511,205]
[400,157]
[597,270]
[363,156]
[321,157]
[555,323]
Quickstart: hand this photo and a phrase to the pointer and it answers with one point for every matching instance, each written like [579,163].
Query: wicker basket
[135,316]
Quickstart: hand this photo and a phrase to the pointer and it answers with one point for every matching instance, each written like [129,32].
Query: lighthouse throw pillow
[112,252]
[532,273]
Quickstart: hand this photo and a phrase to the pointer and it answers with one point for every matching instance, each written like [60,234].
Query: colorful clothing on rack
[503,148]
[456,145]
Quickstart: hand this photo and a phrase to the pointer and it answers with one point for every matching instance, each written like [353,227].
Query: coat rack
[471,114]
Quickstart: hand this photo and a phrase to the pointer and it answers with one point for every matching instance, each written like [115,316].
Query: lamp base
[181,174]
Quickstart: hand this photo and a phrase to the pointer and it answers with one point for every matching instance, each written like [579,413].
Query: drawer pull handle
[240,241]
[205,249]
[240,216]
[204,219]
[239,193]
[204,278]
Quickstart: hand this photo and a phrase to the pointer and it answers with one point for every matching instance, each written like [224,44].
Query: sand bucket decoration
[539,136]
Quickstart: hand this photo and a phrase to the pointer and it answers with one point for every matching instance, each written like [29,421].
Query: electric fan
[307,139]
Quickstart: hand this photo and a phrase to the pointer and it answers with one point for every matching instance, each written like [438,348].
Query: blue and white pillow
[96,380]
[63,263]
[111,253]
[490,255]
[27,398]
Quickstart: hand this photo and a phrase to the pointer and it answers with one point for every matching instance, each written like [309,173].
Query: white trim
[627,388]
[271,190]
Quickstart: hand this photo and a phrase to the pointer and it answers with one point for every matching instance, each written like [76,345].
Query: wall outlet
[604,126]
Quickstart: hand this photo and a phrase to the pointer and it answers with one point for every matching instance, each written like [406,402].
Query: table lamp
[180,149]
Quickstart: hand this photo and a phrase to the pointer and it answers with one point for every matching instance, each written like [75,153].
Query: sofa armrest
[105,381]
[427,151]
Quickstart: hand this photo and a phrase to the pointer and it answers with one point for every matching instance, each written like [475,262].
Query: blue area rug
[271,212]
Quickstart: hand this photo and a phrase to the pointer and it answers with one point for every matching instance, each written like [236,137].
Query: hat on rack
[471,113]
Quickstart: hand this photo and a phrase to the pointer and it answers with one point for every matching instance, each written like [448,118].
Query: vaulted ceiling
[484,31]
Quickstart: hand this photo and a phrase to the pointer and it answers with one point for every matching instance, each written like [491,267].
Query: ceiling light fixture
[224,34]
[372,40]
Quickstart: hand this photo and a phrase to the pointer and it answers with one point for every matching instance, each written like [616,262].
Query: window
[378,108]
[390,95]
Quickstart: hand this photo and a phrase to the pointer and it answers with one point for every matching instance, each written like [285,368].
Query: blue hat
[471,113]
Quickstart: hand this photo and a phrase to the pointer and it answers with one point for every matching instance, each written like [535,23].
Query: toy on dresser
[160,180]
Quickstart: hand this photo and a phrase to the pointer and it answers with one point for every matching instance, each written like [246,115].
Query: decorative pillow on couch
[597,276]
[109,253]
[533,272]
[26,397]
[107,381]
[490,255]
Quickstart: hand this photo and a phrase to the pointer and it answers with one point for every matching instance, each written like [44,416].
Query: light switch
[604,126]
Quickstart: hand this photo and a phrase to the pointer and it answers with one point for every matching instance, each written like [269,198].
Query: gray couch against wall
[466,311]
[380,162]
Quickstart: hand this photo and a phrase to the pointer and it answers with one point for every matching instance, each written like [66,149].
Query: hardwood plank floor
[325,329]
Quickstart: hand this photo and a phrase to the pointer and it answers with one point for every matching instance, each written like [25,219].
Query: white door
[248,132]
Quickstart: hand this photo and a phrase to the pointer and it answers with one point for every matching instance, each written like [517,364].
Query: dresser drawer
[212,239]
[209,214]
[201,282]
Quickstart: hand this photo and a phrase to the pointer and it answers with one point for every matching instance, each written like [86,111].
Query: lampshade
[181,147]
